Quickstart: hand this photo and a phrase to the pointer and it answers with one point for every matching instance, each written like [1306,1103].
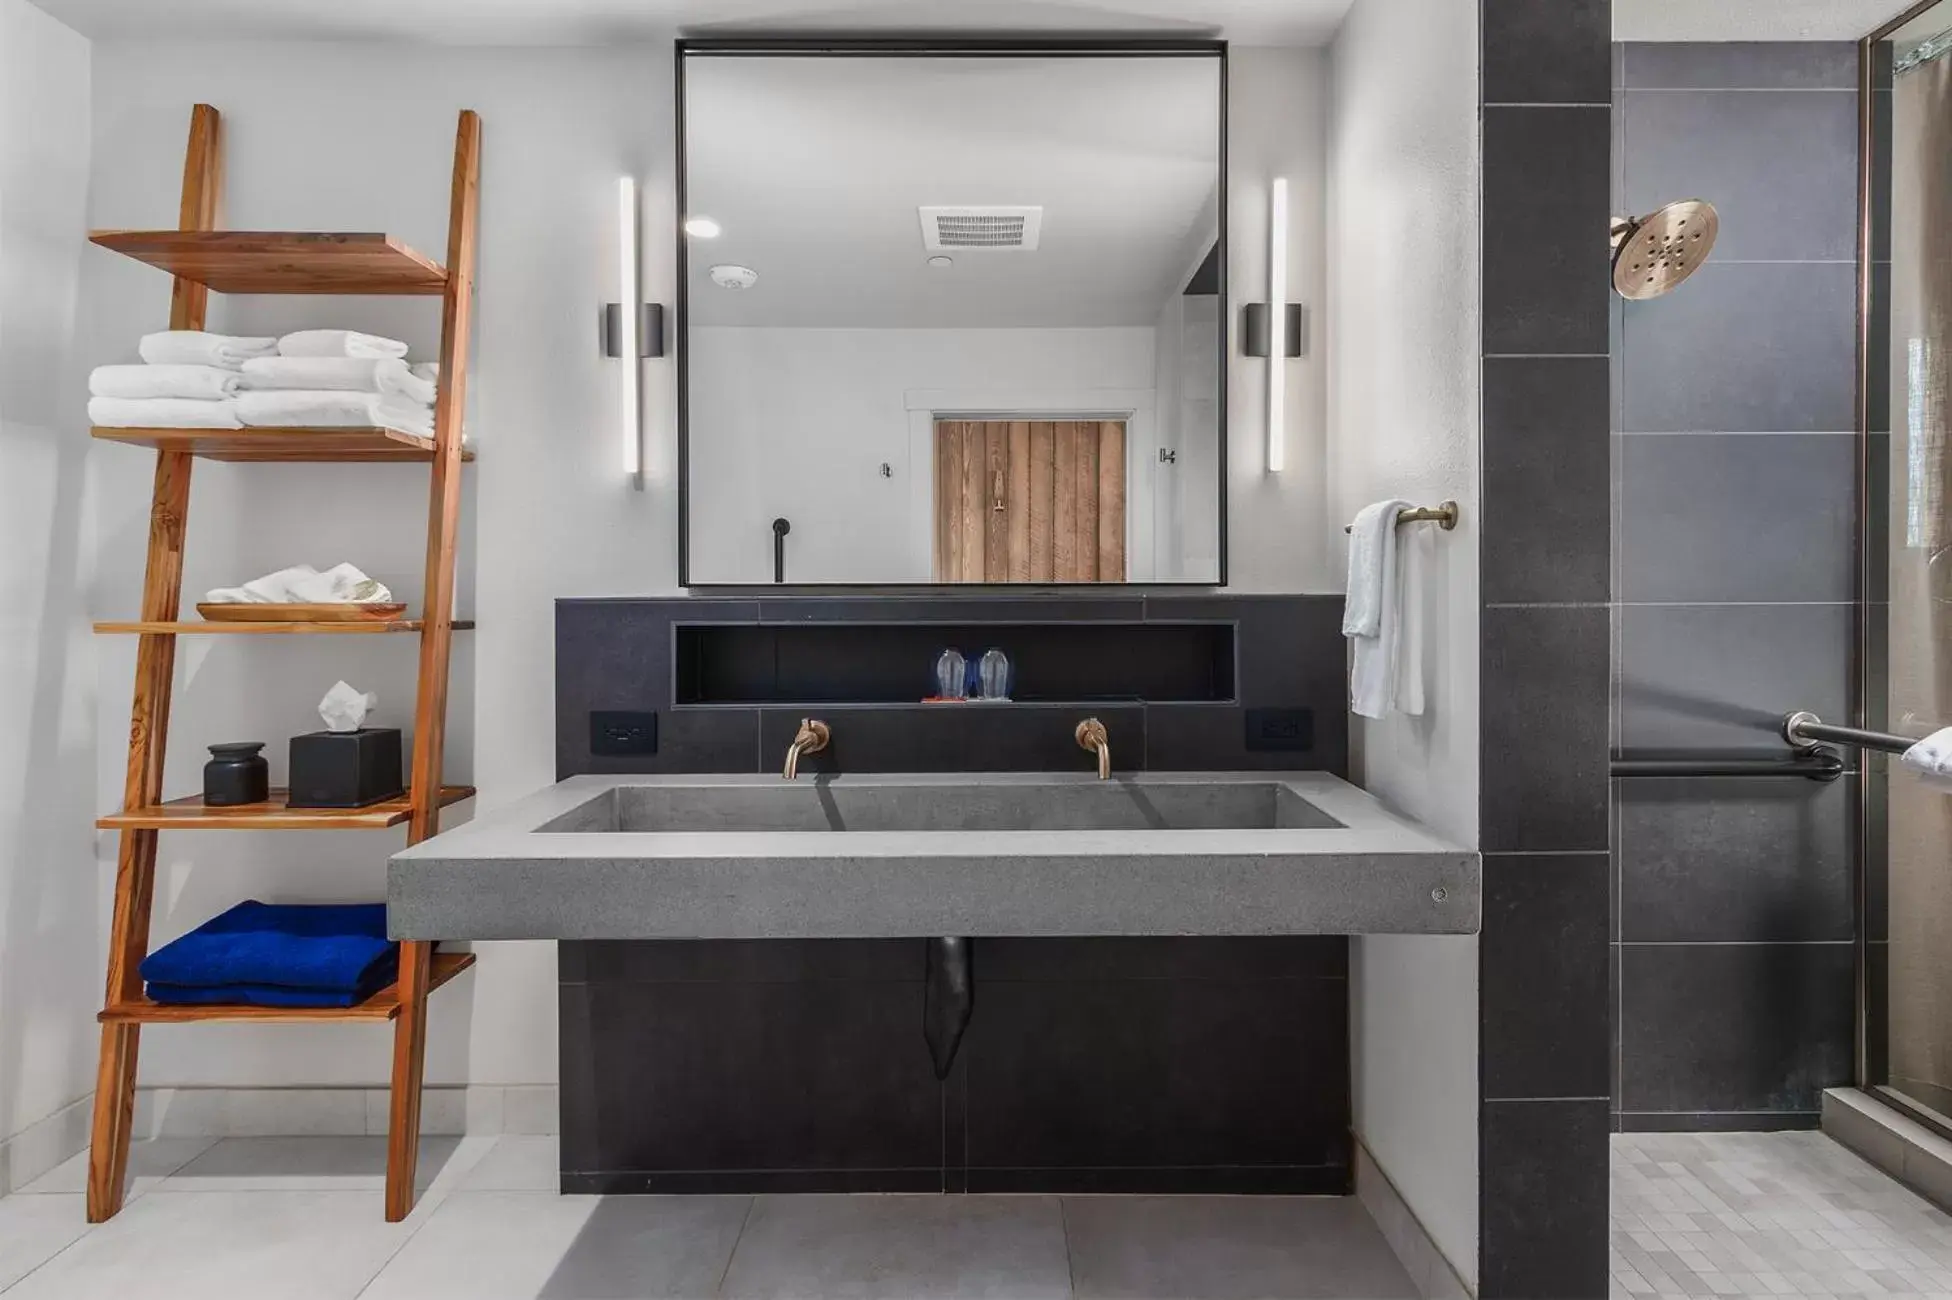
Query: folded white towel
[427,370]
[162,413]
[274,408]
[196,348]
[203,383]
[1931,757]
[1373,615]
[354,374]
[301,584]
[339,343]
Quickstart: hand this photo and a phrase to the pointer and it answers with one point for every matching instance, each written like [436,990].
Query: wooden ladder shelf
[202,258]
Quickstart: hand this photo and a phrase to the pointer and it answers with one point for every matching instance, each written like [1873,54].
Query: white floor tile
[223,1246]
[516,1164]
[312,1164]
[34,1229]
[530,1245]
[150,1162]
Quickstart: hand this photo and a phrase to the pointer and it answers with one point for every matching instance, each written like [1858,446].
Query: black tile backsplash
[1114,1065]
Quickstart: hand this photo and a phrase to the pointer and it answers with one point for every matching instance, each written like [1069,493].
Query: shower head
[1652,254]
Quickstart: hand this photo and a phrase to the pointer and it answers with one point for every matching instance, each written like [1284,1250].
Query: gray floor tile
[150,1162]
[34,1229]
[907,1247]
[309,1164]
[1229,1248]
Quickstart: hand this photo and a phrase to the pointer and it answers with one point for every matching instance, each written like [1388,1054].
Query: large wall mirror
[952,314]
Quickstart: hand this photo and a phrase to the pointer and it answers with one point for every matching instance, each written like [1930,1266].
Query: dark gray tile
[1157,1075]
[1289,649]
[957,738]
[1741,65]
[1054,607]
[739,961]
[1739,1121]
[901,1248]
[1779,166]
[1544,1023]
[688,740]
[1707,678]
[1545,190]
[1730,859]
[1546,457]
[1735,1027]
[1544,729]
[1546,51]
[1742,348]
[1737,517]
[1619,62]
[1213,738]
[1229,1248]
[1543,1207]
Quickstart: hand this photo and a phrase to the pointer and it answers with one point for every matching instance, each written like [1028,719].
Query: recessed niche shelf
[892,663]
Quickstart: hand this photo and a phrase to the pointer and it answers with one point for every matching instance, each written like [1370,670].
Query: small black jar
[236,774]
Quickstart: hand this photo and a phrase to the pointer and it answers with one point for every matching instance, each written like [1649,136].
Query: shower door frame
[1869,667]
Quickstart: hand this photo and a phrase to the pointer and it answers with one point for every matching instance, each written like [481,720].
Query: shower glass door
[1905,1049]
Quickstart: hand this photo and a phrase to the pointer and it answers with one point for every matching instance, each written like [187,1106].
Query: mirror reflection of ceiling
[581,22]
[1751,20]
[815,169]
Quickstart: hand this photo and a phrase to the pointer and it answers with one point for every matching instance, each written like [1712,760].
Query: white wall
[359,137]
[1403,422]
[50,980]
[796,423]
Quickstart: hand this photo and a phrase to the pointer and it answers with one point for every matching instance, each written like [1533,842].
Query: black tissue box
[345,769]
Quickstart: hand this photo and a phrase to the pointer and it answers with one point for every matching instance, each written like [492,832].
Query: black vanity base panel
[1090,1065]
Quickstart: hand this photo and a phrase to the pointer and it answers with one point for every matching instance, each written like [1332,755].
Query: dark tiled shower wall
[1542,1121]
[1194,1065]
[1734,518]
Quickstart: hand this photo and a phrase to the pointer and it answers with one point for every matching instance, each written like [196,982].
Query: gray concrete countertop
[1358,868]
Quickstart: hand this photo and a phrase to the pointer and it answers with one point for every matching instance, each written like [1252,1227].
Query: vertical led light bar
[629,348]
[1277,324]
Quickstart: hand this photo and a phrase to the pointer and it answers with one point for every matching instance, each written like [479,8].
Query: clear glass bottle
[951,675]
[993,676]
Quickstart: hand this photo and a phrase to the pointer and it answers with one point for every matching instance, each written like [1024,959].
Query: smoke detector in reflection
[942,261]
[1012,228]
[727,276]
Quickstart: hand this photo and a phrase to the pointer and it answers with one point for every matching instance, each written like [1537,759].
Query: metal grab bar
[1815,764]
[1805,731]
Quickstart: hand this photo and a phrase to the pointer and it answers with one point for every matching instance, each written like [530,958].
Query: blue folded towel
[278,955]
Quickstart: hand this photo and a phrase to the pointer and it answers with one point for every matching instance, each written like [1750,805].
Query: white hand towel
[352,374]
[1371,615]
[1931,757]
[199,383]
[427,370]
[196,348]
[162,413]
[286,408]
[271,589]
[339,343]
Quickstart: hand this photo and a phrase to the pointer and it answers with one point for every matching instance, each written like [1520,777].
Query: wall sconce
[637,333]
[1275,334]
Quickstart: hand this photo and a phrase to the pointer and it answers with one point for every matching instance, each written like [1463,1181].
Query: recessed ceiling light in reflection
[701,228]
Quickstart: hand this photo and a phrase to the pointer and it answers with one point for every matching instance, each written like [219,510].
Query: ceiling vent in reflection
[1012,229]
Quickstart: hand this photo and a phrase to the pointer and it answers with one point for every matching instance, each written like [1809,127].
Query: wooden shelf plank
[198,627]
[191,815]
[281,261]
[375,445]
[384,1005]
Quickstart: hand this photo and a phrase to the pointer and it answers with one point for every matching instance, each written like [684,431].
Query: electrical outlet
[1281,730]
[617,733]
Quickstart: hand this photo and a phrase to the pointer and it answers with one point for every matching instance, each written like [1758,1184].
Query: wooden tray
[341,613]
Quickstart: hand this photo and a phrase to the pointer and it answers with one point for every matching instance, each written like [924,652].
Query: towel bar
[1804,730]
[1444,516]
[1816,764]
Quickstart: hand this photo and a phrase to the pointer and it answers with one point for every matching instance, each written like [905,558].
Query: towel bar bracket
[1805,731]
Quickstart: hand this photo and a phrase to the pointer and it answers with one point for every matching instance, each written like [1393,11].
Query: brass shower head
[1652,254]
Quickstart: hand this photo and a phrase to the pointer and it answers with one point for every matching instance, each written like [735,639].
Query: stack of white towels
[310,379]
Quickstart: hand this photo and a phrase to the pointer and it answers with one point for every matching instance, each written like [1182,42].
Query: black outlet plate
[617,733]
[1285,731]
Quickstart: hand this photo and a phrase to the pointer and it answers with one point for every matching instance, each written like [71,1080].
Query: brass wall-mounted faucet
[811,739]
[1091,736]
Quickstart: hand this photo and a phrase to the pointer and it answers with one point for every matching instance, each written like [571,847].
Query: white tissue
[345,709]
